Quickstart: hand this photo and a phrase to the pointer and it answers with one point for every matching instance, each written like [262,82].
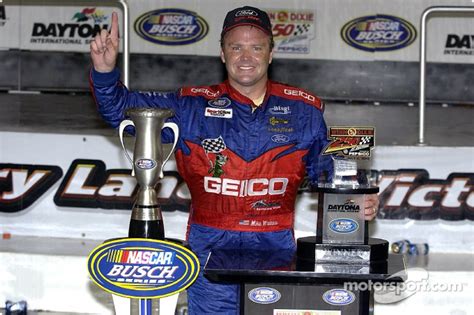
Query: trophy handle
[175,129]
[123,125]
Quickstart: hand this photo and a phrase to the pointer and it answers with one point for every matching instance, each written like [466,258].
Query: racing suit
[243,166]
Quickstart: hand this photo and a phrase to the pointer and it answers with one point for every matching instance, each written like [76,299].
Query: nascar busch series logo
[338,297]
[171,27]
[343,225]
[378,33]
[138,268]
[3,15]
[145,164]
[70,33]
[264,295]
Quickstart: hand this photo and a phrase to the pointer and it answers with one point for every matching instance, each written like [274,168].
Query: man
[243,151]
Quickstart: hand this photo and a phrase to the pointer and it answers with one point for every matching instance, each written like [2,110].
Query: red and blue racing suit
[243,166]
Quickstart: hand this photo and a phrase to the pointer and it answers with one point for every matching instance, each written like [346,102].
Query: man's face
[246,53]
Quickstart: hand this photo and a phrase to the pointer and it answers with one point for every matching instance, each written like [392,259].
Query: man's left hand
[371,206]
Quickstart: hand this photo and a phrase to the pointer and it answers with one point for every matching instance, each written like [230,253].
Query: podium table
[279,283]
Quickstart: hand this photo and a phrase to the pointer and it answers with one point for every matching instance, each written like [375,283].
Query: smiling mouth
[246,68]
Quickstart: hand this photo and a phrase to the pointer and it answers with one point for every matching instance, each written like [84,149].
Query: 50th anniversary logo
[142,268]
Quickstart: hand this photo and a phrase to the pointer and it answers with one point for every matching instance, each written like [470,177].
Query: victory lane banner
[142,268]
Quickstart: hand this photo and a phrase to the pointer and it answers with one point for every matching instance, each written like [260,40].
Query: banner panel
[451,40]
[343,30]
[82,188]
[9,26]
[67,28]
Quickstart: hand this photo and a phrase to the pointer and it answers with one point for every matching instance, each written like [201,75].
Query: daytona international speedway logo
[142,268]
[378,33]
[171,27]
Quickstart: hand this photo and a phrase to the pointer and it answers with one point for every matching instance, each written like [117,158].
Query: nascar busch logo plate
[171,26]
[351,142]
[142,268]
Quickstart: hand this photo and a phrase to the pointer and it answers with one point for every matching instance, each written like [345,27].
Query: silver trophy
[147,167]
[342,201]
[341,229]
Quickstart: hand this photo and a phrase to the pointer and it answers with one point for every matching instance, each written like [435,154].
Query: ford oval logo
[280,138]
[145,164]
[220,102]
[343,225]
[171,27]
[142,268]
[378,33]
[246,13]
[264,295]
[338,297]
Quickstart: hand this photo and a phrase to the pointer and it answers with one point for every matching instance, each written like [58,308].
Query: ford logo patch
[246,13]
[145,164]
[280,138]
[343,225]
[338,297]
[219,102]
[378,33]
[142,268]
[264,295]
[171,27]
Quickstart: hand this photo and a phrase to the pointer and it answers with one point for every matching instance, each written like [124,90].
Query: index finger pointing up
[114,28]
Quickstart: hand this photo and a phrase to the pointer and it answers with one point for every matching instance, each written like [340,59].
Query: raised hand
[105,47]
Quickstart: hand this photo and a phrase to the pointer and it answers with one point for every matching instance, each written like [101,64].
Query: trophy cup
[147,167]
[341,229]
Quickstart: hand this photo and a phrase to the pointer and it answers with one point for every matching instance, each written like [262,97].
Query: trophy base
[153,229]
[376,250]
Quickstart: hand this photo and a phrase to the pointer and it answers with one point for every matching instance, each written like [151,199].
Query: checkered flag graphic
[365,140]
[216,145]
[301,29]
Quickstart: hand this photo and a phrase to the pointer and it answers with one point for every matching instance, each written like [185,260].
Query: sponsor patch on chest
[218,112]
